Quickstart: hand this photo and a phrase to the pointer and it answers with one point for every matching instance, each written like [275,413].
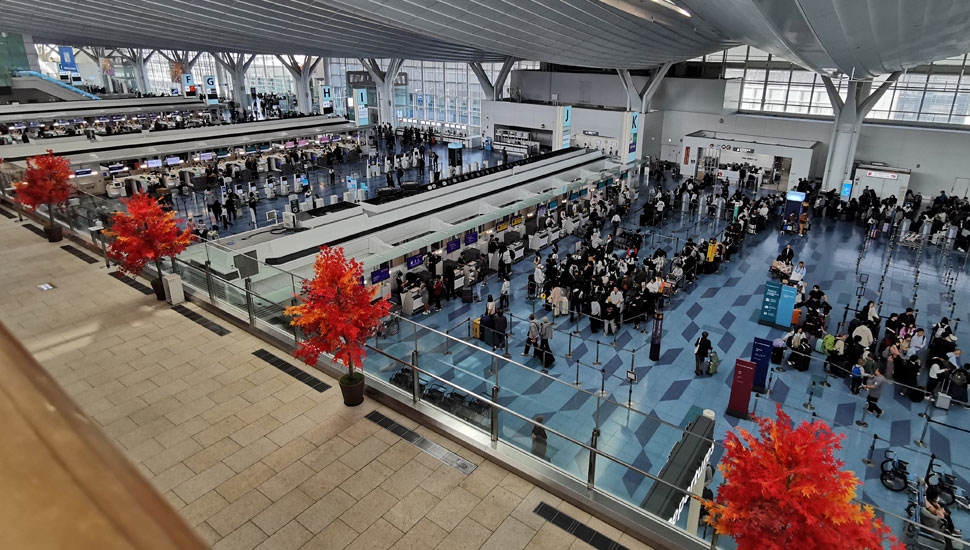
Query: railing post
[591,474]
[208,282]
[569,354]
[603,382]
[494,414]
[597,361]
[447,341]
[415,381]
[250,307]
[921,442]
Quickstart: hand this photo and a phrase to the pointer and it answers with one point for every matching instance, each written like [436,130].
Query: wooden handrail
[65,485]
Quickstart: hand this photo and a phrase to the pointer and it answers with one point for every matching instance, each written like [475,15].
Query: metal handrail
[497,356]
[535,423]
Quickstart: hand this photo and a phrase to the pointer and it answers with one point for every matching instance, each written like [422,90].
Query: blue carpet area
[667,393]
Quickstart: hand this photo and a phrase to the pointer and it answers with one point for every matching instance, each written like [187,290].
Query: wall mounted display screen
[172,161]
[583,192]
[115,168]
[222,154]
[302,142]
[574,195]
[379,275]
[82,172]
[154,163]
[553,205]
[415,261]
[205,156]
[454,245]
[471,238]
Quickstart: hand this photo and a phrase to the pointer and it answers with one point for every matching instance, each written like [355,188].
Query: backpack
[857,371]
[828,344]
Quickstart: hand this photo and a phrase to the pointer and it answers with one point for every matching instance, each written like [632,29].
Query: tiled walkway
[252,452]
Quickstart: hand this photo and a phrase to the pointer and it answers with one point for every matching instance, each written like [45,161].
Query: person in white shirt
[864,334]
[540,277]
[938,368]
[917,342]
[798,273]
[616,298]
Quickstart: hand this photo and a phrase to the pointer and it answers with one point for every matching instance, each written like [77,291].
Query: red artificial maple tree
[786,490]
[337,313]
[145,233]
[46,182]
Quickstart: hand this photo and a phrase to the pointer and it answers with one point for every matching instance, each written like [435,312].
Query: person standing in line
[875,392]
[506,294]
[532,338]
[701,350]
[858,373]
[545,335]
[333,177]
[938,371]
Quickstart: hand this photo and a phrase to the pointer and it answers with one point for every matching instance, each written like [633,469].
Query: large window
[444,92]
[938,92]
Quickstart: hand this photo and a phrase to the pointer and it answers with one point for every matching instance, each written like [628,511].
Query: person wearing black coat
[702,348]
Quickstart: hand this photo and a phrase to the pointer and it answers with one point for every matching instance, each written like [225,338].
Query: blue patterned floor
[726,305]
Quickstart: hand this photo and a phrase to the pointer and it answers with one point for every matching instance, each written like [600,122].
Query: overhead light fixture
[639,11]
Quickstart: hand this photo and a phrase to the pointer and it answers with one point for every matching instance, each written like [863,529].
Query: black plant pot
[54,233]
[352,388]
[159,289]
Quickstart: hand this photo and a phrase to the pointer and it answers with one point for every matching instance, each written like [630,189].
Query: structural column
[384,82]
[493,90]
[139,62]
[849,115]
[237,65]
[637,103]
[301,73]
[97,54]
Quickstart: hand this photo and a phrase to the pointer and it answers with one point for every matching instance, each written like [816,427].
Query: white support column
[384,82]
[640,99]
[849,115]
[488,91]
[139,60]
[301,73]
[237,65]
[493,90]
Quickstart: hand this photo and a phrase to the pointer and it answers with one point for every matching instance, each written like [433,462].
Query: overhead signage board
[188,85]
[634,130]
[360,100]
[68,62]
[326,100]
[567,122]
[211,95]
[882,175]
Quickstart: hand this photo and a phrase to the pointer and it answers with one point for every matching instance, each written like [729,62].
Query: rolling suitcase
[796,317]
[943,398]
[777,355]
[466,294]
[713,361]
[477,329]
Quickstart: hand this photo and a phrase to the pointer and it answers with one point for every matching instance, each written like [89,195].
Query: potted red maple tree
[785,489]
[145,233]
[337,315]
[47,182]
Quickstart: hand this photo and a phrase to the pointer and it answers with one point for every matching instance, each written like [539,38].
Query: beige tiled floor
[251,457]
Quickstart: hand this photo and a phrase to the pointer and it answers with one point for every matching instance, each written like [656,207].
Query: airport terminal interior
[453,275]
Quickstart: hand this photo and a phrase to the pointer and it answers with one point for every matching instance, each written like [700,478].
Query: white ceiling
[864,37]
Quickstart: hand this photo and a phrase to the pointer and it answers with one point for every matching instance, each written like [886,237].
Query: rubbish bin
[172,284]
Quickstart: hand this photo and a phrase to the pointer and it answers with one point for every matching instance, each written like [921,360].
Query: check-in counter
[539,240]
[411,302]
[573,224]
